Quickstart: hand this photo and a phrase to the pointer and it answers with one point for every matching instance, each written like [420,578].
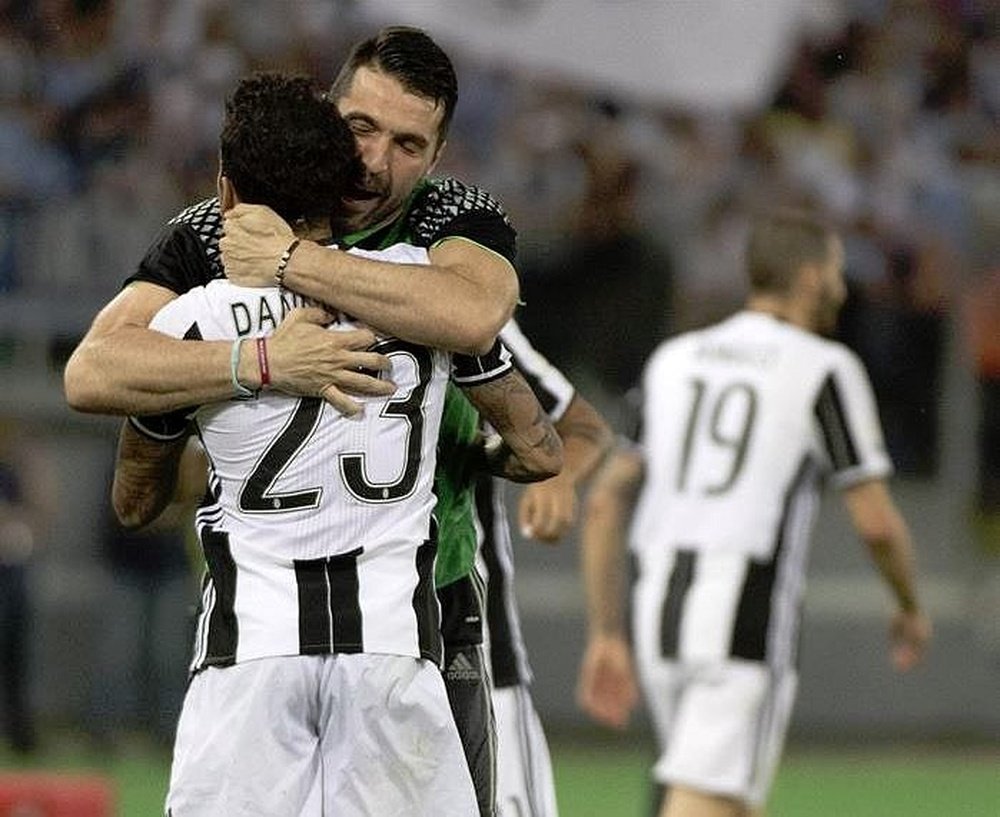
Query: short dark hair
[284,145]
[781,242]
[413,59]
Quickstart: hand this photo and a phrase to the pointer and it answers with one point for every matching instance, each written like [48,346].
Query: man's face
[833,290]
[397,136]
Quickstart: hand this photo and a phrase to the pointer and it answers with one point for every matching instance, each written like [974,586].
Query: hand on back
[307,359]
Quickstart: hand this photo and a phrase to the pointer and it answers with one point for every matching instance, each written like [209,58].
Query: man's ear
[810,278]
[437,157]
[228,197]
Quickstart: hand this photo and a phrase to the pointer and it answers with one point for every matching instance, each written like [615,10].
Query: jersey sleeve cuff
[473,370]
[162,427]
[849,477]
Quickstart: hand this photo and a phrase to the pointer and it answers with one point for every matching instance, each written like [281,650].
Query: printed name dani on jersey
[254,313]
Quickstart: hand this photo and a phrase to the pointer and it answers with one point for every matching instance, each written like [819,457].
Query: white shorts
[348,735]
[720,726]
[525,786]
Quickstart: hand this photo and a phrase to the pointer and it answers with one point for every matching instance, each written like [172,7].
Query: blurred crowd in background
[630,216]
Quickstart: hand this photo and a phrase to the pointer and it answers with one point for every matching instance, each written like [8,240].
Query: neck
[317,229]
[358,232]
[790,310]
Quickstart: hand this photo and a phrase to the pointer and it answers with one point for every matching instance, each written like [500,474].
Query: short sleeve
[474,370]
[850,432]
[186,253]
[448,208]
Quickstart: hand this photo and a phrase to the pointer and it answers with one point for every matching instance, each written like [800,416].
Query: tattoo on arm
[531,448]
[145,476]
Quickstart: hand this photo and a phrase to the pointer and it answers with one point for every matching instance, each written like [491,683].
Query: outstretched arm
[123,367]
[528,448]
[547,510]
[459,302]
[607,690]
[883,529]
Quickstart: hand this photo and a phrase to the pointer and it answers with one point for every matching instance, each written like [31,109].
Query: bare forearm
[884,531]
[140,371]
[608,510]
[587,440]
[603,549]
[499,460]
[145,477]
[530,449]
[446,306]
[893,557]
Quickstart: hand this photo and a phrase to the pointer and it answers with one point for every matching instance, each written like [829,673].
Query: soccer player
[458,302]
[742,423]
[546,512]
[398,91]
[316,528]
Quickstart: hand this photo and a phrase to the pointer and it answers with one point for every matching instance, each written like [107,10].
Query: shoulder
[669,349]
[204,220]
[842,359]
[447,207]
[823,351]
[185,308]
[452,193]
[186,252]
[818,364]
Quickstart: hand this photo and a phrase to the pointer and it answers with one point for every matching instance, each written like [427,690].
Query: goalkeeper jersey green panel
[455,509]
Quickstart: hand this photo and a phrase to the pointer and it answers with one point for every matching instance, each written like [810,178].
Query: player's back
[740,422]
[317,528]
[301,480]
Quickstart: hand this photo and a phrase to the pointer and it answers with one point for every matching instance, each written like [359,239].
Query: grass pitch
[601,780]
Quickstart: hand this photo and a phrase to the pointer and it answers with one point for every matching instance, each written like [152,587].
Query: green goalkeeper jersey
[455,490]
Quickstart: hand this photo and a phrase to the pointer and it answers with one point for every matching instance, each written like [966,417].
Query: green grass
[872,784]
[601,780]
[920,782]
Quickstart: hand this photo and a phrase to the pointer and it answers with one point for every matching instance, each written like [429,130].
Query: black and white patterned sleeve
[186,253]
[474,370]
[448,208]
[850,430]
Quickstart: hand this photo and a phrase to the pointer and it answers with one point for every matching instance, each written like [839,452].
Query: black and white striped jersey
[741,425]
[508,655]
[317,530]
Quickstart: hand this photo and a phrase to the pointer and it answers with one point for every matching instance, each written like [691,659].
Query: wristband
[279,273]
[265,371]
[241,391]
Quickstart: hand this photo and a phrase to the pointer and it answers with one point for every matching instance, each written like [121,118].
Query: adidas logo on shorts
[462,669]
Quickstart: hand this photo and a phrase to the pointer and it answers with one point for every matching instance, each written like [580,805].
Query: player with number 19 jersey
[317,528]
[741,423]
